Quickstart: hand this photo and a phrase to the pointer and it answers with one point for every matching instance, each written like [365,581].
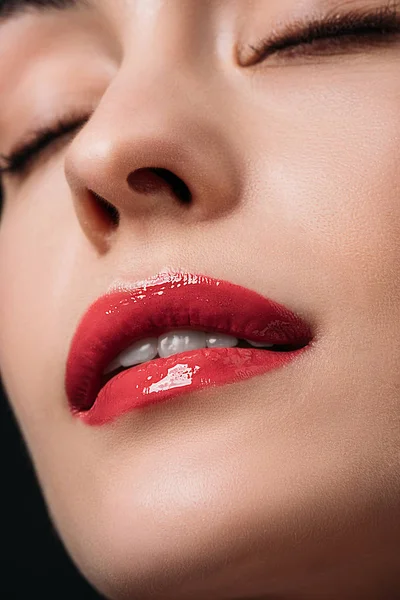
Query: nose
[154,149]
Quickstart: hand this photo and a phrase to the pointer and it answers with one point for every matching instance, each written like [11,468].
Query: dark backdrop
[34,563]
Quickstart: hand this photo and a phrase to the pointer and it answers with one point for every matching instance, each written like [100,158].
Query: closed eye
[26,152]
[329,35]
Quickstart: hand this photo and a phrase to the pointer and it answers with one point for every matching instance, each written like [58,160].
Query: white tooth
[259,344]
[115,364]
[139,352]
[180,340]
[221,340]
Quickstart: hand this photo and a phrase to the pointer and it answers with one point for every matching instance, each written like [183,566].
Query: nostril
[179,187]
[152,179]
[108,209]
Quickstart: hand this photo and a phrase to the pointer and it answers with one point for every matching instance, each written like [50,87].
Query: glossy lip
[167,301]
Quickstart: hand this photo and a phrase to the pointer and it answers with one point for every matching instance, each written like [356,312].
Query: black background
[34,563]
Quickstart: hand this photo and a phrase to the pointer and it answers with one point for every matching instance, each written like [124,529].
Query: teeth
[220,340]
[174,342]
[139,352]
[259,344]
[115,364]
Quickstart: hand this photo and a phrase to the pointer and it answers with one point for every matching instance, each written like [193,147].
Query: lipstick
[167,302]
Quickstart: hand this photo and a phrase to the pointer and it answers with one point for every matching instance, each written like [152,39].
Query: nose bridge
[156,118]
[158,87]
[169,30]
[169,60]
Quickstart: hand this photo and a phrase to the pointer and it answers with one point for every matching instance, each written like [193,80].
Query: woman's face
[284,485]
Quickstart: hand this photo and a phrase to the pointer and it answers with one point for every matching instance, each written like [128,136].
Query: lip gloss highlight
[163,303]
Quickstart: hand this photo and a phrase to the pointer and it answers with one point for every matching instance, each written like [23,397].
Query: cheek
[327,166]
[40,245]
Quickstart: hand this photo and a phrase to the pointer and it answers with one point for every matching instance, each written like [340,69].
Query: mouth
[171,334]
[178,341]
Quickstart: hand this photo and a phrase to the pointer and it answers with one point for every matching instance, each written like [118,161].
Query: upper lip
[119,318]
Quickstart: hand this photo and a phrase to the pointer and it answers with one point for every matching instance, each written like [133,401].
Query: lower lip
[167,378]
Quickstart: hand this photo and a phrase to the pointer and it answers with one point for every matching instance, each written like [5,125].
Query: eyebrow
[13,8]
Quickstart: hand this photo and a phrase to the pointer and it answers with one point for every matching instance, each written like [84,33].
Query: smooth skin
[285,486]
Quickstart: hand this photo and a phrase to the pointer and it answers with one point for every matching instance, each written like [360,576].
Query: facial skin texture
[285,486]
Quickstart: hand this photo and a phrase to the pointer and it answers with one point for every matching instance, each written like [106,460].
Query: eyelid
[332,26]
[38,140]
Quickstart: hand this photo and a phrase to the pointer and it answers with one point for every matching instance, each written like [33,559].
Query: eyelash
[337,32]
[298,39]
[20,158]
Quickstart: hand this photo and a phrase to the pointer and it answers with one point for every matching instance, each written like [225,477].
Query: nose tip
[169,163]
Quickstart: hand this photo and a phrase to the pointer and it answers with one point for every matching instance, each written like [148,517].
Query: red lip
[165,302]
